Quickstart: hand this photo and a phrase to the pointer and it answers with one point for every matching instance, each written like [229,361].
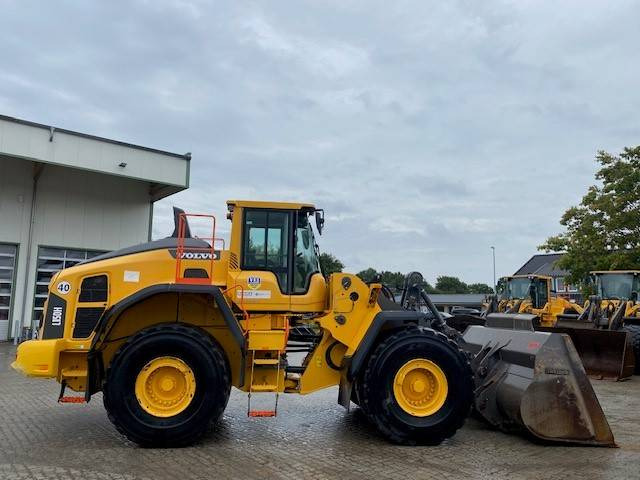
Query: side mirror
[319,220]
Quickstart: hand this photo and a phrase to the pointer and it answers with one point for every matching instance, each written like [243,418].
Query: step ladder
[62,398]
[265,347]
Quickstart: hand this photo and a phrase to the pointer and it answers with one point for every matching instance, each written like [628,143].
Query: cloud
[428,131]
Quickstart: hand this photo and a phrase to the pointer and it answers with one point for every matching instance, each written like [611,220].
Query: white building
[66,196]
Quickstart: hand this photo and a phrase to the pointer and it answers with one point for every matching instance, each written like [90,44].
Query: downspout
[17,330]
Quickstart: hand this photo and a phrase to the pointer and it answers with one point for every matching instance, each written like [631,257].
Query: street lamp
[493,251]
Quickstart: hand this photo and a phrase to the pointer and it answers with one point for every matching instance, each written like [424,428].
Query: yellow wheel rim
[165,386]
[420,387]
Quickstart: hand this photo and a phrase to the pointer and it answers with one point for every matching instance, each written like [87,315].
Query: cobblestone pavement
[312,437]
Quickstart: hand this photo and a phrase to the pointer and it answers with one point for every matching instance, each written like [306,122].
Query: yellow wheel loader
[165,329]
[596,329]
[615,308]
[533,294]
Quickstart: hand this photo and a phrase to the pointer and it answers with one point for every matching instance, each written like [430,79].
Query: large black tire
[357,394]
[209,365]
[377,395]
[634,333]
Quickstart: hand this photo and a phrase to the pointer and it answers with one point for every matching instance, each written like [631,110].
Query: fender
[105,324]
[384,320]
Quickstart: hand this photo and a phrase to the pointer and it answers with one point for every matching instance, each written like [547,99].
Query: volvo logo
[191,255]
[197,256]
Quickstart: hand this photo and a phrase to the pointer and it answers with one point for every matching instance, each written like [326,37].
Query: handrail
[182,250]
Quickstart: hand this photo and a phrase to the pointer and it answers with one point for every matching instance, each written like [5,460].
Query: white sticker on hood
[131,276]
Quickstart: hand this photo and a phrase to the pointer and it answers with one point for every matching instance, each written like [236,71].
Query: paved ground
[312,437]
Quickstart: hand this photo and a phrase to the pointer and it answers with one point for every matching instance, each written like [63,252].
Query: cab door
[265,276]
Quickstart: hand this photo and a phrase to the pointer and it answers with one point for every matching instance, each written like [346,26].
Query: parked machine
[165,329]
[597,329]
[614,307]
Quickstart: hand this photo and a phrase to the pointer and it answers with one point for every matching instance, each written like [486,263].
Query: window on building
[50,261]
[560,284]
[8,254]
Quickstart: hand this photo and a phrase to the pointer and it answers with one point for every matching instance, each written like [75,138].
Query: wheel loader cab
[275,261]
[534,288]
[617,285]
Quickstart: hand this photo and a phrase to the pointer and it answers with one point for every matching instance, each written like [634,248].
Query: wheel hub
[165,386]
[420,387]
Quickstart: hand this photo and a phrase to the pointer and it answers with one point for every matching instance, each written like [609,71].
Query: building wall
[74,209]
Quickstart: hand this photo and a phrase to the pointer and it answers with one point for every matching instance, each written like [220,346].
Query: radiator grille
[86,320]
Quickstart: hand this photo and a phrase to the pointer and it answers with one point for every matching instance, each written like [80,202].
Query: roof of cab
[601,272]
[531,275]
[274,205]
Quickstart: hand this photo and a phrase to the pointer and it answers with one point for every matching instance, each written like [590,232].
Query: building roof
[461,299]
[166,172]
[543,264]
[52,130]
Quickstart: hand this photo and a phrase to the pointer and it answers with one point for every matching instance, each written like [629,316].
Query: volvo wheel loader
[615,308]
[165,329]
[596,329]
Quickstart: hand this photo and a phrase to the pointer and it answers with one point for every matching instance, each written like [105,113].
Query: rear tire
[634,333]
[207,368]
[383,404]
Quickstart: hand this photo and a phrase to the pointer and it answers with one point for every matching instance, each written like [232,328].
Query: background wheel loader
[165,329]
[614,308]
[597,329]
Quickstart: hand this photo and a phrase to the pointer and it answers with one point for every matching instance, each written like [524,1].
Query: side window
[542,298]
[266,243]
[305,259]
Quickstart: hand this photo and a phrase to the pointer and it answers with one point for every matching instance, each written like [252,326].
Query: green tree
[330,264]
[603,232]
[479,288]
[367,275]
[393,280]
[447,284]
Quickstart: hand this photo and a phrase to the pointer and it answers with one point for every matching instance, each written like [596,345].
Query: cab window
[266,243]
[306,258]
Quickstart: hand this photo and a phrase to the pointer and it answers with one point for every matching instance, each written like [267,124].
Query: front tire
[417,387]
[166,385]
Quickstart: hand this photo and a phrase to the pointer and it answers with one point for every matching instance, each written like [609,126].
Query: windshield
[534,289]
[306,258]
[518,288]
[617,285]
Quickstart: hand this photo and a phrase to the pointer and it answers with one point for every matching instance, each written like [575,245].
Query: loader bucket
[605,354]
[534,382]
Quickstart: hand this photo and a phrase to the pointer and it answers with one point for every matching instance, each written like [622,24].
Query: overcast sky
[428,131]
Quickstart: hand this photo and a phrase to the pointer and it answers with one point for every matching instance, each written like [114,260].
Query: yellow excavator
[602,330]
[166,328]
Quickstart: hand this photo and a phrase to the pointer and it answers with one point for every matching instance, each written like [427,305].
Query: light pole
[493,251]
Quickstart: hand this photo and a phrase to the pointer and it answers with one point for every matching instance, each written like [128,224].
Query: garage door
[8,254]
